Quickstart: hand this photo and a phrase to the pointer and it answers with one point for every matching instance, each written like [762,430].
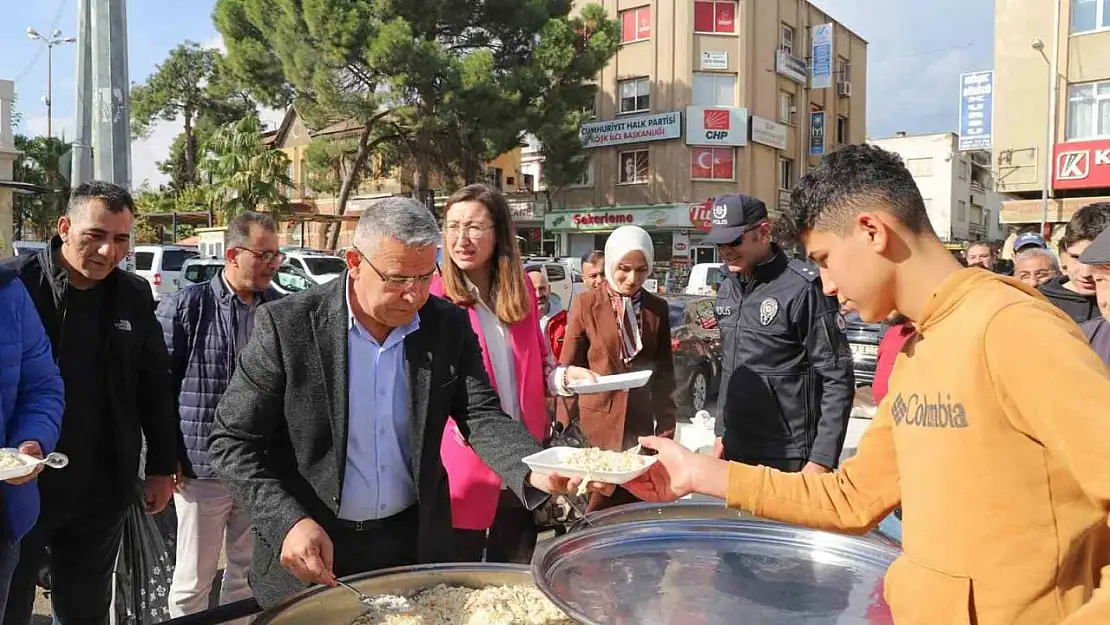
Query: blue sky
[917,51]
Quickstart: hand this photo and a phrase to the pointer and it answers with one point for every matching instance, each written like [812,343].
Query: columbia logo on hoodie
[919,410]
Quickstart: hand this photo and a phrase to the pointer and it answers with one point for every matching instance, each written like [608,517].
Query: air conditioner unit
[844,89]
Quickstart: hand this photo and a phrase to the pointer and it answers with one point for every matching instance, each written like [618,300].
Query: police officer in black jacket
[787,386]
[112,357]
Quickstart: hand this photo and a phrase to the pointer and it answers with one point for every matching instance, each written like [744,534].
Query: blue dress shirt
[378,480]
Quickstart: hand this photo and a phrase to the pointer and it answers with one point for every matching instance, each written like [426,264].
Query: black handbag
[562,511]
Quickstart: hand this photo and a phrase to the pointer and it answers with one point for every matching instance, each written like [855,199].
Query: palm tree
[240,174]
[40,163]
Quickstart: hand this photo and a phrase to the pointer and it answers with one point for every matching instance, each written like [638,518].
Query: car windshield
[173,259]
[324,265]
[201,272]
[291,279]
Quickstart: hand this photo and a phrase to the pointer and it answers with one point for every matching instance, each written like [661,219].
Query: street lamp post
[54,39]
[1050,112]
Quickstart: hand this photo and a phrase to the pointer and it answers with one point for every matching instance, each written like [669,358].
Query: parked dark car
[864,339]
[696,345]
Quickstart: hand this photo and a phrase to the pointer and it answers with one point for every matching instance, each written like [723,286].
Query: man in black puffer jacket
[205,327]
[109,349]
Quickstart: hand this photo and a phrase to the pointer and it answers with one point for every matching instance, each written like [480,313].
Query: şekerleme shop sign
[648,217]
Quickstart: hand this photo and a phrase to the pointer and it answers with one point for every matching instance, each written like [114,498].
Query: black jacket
[280,437]
[136,367]
[787,385]
[1081,308]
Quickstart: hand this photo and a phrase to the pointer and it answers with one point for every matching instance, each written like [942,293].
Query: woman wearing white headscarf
[616,329]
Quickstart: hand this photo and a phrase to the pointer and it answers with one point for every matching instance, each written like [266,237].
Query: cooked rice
[9,459]
[493,605]
[597,460]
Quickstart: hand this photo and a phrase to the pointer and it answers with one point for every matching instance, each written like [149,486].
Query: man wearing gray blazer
[329,432]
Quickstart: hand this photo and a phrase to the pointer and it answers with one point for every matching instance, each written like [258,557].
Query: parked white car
[160,265]
[320,266]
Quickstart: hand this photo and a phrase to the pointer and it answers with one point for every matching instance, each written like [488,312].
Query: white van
[160,265]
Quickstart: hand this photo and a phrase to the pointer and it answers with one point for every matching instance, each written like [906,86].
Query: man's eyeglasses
[400,283]
[267,257]
[471,230]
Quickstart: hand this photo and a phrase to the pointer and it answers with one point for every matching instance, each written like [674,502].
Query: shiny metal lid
[713,571]
[702,508]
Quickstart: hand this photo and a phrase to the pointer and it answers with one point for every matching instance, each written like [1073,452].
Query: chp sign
[716,125]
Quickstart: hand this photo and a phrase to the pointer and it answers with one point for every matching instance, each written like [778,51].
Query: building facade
[958,187]
[314,214]
[1051,108]
[705,98]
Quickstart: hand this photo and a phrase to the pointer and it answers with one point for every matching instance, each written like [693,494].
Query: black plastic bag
[144,570]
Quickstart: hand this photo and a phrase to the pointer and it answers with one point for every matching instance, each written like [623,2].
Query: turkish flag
[726,17]
[701,162]
[722,163]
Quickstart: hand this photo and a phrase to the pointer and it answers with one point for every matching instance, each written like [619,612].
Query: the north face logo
[919,411]
[715,119]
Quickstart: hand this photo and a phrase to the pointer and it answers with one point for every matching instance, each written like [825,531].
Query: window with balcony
[1089,15]
[787,108]
[715,16]
[635,24]
[786,173]
[633,167]
[712,163]
[714,89]
[842,130]
[635,95]
[1088,115]
[786,38]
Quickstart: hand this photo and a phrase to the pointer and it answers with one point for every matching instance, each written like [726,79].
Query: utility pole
[55,39]
[82,141]
[111,100]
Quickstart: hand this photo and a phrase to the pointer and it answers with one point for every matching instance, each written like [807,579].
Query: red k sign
[1081,165]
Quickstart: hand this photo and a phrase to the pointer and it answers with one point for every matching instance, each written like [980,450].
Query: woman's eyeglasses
[471,231]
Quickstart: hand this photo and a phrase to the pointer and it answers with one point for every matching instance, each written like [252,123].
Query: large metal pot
[338,606]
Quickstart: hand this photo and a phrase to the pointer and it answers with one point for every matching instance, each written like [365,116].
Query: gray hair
[1038,252]
[400,218]
[239,230]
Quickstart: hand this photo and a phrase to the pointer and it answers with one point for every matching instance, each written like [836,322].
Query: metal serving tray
[337,606]
[711,571]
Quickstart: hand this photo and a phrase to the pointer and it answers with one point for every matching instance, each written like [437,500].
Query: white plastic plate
[552,460]
[606,383]
[54,461]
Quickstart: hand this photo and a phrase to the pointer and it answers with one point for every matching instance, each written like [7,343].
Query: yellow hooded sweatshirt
[995,438]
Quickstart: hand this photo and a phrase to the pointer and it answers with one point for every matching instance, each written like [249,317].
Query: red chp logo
[715,119]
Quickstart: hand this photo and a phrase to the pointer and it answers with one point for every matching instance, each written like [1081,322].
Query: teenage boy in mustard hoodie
[1001,461]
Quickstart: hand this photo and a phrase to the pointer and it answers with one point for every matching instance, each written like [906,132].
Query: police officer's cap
[1098,252]
[733,215]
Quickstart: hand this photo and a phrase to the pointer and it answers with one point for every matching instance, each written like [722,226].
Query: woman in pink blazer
[482,272]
